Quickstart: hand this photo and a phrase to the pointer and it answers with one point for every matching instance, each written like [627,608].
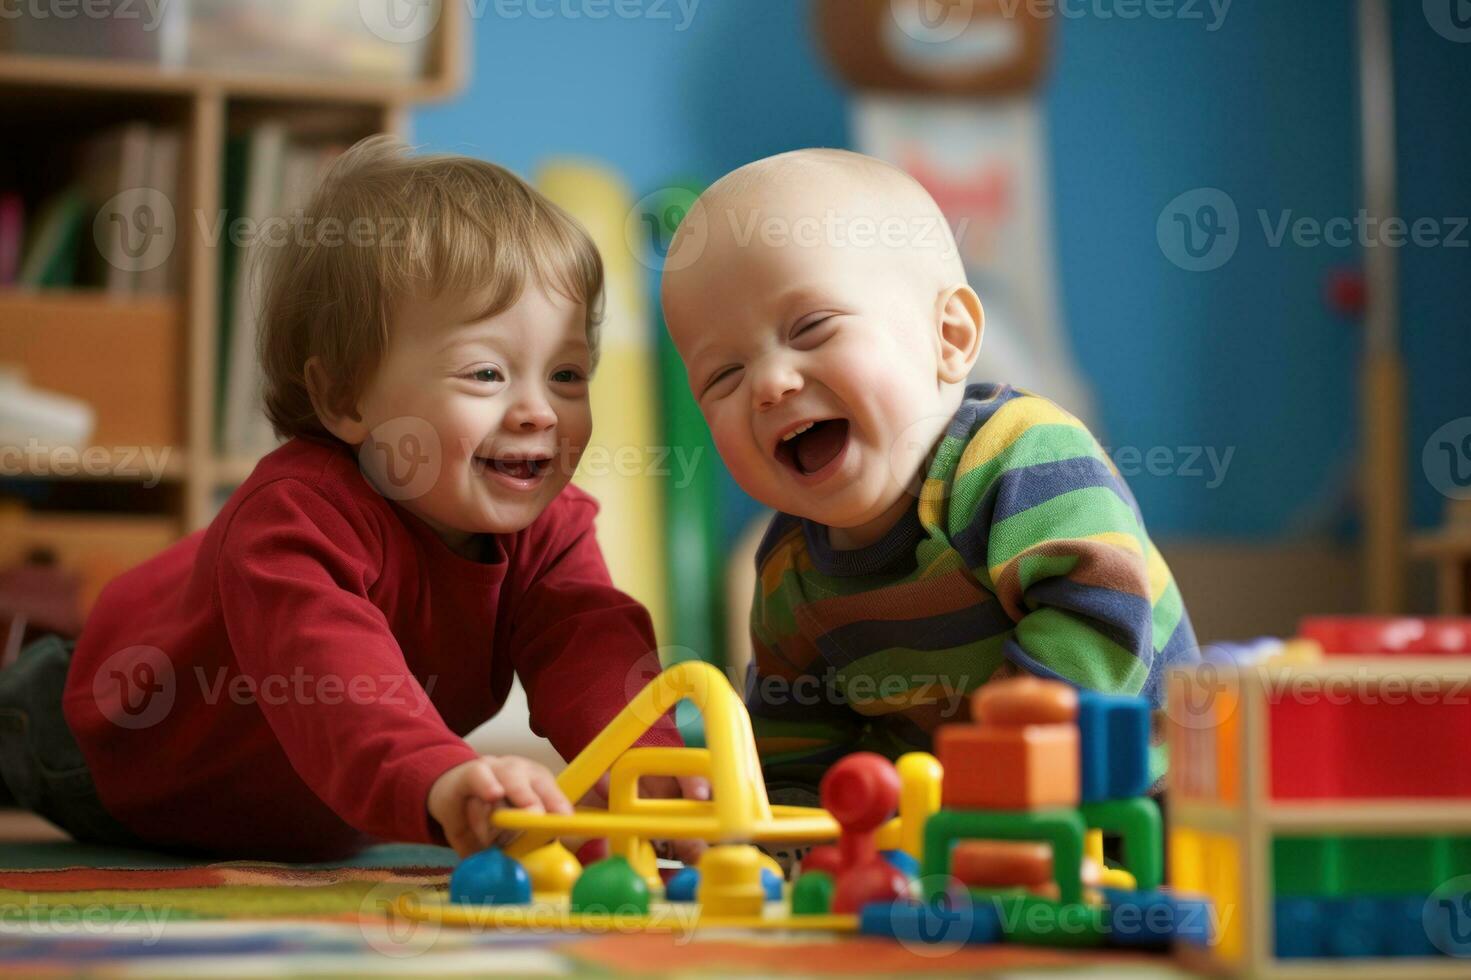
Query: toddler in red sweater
[296,680]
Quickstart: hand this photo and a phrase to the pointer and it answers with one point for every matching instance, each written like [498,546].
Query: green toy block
[1062,828]
[1036,921]
[1138,822]
[1382,866]
[1305,867]
[1457,857]
[1336,866]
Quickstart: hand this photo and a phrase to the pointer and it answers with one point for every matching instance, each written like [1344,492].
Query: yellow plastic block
[1223,885]
[1187,861]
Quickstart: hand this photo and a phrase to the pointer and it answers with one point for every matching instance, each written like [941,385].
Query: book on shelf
[53,244]
[12,235]
[268,180]
[130,173]
[94,229]
[163,177]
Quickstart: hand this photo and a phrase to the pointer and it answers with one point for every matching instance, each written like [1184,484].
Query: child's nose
[531,413]
[776,383]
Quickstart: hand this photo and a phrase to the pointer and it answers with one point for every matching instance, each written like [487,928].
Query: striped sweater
[1025,552]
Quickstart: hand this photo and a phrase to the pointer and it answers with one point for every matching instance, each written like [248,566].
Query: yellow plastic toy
[737,814]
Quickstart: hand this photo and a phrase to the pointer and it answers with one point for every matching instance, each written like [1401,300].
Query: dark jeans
[41,765]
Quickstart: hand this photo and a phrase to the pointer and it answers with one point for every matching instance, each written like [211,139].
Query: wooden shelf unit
[176,336]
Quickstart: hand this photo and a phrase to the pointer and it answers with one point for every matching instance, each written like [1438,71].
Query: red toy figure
[861,792]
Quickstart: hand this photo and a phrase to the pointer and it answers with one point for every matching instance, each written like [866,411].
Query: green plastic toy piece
[1063,828]
[1305,867]
[812,894]
[611,886]
[1337,866]
[1139,823]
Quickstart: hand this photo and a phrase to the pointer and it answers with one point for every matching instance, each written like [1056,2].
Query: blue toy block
[902,860]
[490,878]
[1298,928]
[1113,745]
[1404,928]
[772,882]
[682,887]
[1353,928]
[947,920]
[1156,919]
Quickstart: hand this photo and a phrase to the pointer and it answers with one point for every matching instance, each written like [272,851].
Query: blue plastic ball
[682,887]
[490,878]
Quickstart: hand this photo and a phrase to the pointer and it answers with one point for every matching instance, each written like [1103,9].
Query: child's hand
[462,798]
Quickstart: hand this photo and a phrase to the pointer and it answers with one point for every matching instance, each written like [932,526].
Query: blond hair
[384,225]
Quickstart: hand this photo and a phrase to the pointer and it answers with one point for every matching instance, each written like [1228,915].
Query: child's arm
[1043,518]
[293,582]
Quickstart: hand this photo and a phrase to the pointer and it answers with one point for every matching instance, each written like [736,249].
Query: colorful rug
[68,910]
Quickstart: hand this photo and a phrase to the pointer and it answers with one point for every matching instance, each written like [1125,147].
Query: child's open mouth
[813,449]
[520,473]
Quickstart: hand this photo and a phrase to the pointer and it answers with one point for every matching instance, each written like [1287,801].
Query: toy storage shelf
[93,347]
[148,364]
[144,79]
[1401,816]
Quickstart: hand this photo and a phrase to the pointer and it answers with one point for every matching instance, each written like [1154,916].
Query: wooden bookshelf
[148,363]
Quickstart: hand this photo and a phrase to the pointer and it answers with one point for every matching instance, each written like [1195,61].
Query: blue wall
[1265,108]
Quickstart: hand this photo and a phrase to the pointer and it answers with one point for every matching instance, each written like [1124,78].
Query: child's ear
[338,418]
[962,321]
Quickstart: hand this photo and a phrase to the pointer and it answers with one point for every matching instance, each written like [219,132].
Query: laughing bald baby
[932,535]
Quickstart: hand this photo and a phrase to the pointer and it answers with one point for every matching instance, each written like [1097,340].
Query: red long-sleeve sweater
[290,681]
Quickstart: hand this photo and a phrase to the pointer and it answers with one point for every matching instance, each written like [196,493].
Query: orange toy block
[997,768]
[1024,701]
[1001,863]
